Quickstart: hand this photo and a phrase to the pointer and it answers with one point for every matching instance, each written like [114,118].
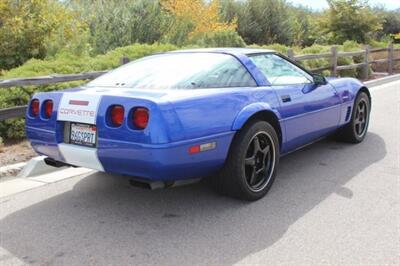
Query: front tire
[356,130]
[250,168]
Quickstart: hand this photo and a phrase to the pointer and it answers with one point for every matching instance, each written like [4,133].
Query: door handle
[285,98]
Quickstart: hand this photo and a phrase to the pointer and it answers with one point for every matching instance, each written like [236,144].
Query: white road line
[17,185]
[395,84]
[61,175]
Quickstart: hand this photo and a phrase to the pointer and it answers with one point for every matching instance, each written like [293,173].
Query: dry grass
[15,152]
[383,67]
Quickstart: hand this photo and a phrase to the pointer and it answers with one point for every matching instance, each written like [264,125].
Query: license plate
[83,134]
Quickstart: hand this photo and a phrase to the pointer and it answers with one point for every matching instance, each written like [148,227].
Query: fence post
[390,59]
[366,62]
[334,61]
[290,54]
[124,60]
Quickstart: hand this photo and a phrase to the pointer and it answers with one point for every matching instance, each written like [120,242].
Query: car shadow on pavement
[103,220]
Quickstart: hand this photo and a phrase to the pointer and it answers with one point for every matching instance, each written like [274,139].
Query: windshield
[178,71]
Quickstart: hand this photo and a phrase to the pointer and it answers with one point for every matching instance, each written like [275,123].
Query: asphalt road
[332,204]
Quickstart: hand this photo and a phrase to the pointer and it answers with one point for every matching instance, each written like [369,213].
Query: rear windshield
[178,71]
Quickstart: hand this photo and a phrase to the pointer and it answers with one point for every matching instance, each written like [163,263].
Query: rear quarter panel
[213,111]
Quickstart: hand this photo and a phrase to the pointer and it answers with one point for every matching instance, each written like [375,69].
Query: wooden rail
[19,111]
[334,55]
[47,80]
[12,112]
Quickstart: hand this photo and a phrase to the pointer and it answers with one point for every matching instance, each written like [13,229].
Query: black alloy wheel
[250,169]
[259,161]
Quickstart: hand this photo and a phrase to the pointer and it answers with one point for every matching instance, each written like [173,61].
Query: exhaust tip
[140,184]
[150,185]
[55,163]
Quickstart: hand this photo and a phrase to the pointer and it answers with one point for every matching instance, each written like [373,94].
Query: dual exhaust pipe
[135,182]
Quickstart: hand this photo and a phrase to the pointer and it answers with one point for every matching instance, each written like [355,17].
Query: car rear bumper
[171,161]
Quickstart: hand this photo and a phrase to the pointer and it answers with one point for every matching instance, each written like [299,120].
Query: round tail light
[34,110]
[140,117]
[48,108]
[117,115]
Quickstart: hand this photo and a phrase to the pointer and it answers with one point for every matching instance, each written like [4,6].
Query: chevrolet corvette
[227,114]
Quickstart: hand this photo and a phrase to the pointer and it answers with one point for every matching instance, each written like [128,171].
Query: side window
[229,73]
[280,71]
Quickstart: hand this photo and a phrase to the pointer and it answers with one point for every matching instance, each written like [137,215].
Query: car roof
[229,50]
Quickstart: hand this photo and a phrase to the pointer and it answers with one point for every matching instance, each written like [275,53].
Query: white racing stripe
[77,107]
[82,108]
[81,156]
[393,84]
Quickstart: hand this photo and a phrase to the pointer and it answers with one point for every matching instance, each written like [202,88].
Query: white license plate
[83,134]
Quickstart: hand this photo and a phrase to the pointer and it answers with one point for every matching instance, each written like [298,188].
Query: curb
[381,81]
[11,186]
[10,170]
[36,165]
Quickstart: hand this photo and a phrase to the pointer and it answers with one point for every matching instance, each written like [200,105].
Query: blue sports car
[227,114]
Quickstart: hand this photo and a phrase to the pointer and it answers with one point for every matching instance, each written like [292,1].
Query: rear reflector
[202,147]
[140,117]
[194,149]
[34,110]
[48,108]
[117,115]
[78,102]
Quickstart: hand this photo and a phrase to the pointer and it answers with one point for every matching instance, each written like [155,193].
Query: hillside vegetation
[41,37]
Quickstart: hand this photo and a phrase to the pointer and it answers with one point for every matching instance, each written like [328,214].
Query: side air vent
[348,113]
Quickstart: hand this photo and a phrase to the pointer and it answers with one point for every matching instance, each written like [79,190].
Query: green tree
[115,23]
[230,9]
[391,22]
[260,21]
[349,20]
[303,26]
[28,27]
[221,38]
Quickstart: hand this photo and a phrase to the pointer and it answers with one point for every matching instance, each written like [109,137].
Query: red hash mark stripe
[77,102]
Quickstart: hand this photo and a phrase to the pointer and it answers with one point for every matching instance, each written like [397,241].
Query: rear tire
[356,130]
[250,168]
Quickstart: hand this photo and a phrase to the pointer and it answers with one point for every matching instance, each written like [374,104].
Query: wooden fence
[334,55]
[19,111]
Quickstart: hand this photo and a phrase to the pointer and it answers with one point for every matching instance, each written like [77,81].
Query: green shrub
[225,38]
[63,63]
[283,49]
[30,29]
[315,63]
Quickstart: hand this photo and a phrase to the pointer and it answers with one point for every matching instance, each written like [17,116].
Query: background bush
[67,63]
[30,28]
[41,37]
[224,38]
[64,63]
[44,28]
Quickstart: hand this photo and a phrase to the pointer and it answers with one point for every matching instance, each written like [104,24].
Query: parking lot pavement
[332,203]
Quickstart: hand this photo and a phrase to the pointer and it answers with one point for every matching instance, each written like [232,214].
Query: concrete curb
[381,81]
[11,186]
[10,170]
[36,166]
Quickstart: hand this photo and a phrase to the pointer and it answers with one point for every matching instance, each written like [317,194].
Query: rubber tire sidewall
[232,174]
[360,96]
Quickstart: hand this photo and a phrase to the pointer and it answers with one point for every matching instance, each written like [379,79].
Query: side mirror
[319,79]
